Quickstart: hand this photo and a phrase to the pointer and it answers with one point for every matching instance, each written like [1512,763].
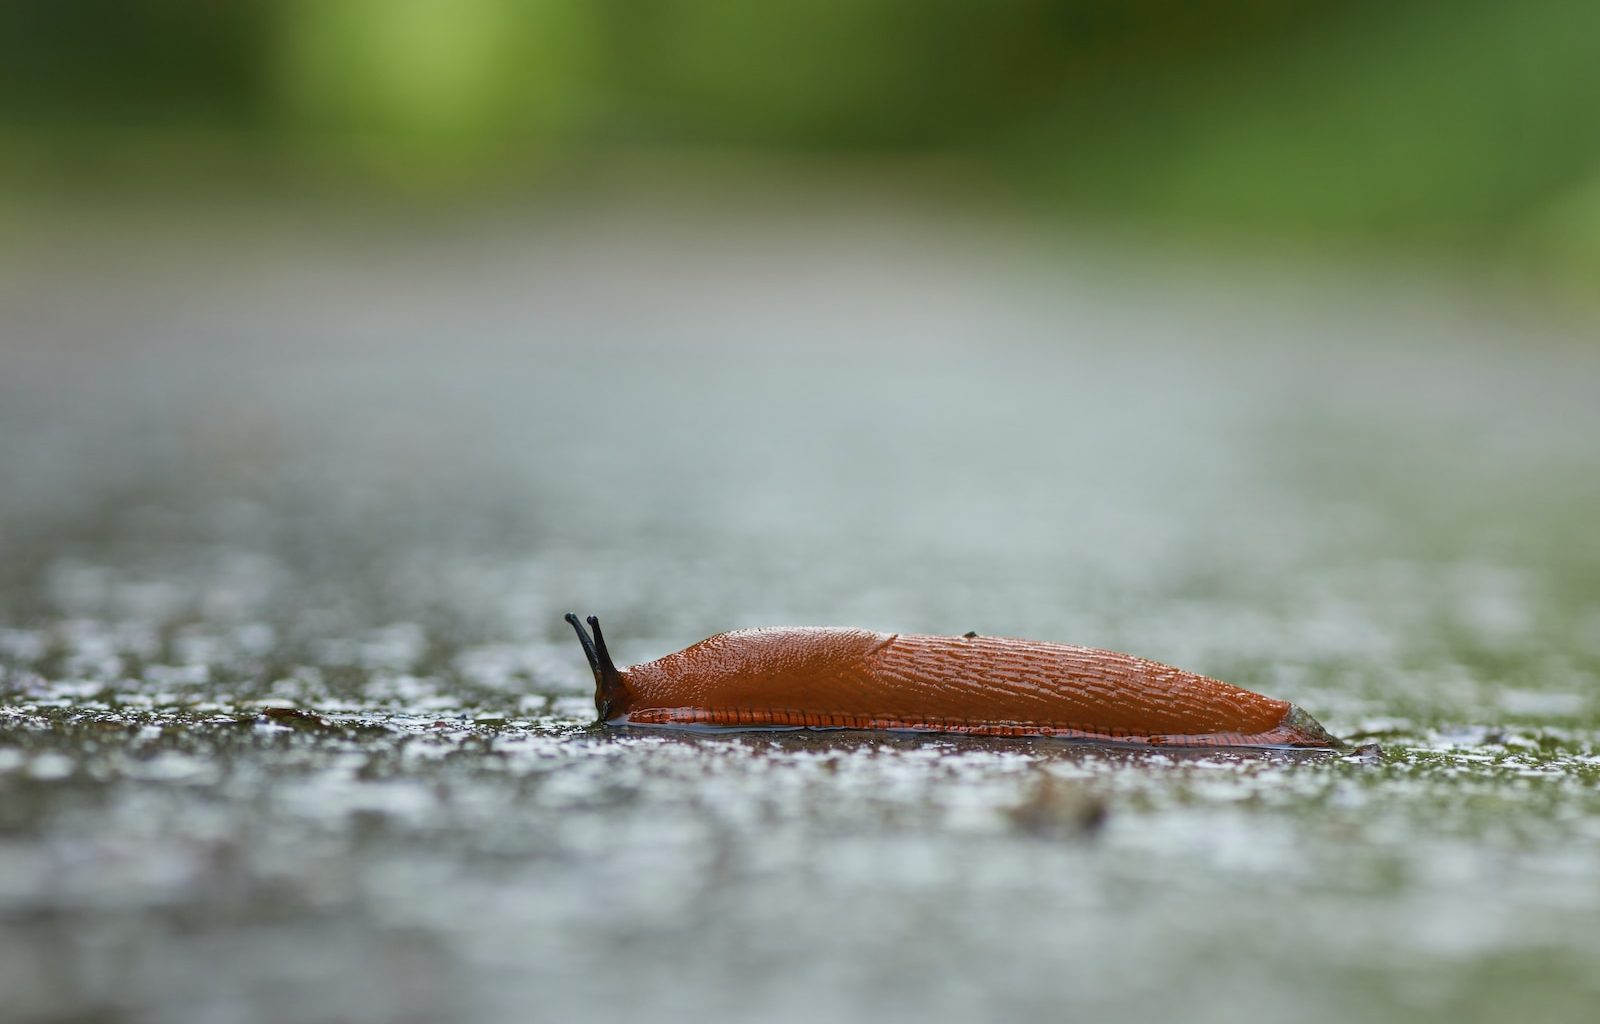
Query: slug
[817,678]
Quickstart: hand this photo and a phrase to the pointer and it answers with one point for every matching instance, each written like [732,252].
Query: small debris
[296,718]
[1056,809]
[1367,753]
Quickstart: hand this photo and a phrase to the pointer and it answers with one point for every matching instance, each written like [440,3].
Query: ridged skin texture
[856,679]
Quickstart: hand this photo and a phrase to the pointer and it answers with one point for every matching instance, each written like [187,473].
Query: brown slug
[824,678]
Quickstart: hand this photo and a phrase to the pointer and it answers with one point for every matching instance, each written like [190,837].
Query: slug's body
[990,686]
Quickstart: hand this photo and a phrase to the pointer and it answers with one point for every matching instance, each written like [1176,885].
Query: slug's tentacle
[610,690]
[588,645]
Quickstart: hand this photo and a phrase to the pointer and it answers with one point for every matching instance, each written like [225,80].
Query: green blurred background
[1468,126]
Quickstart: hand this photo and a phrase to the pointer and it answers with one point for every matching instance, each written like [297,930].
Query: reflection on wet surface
[291,729]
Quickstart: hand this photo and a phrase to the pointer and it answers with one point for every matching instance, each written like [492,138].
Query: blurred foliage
[1440,120]
[424,82]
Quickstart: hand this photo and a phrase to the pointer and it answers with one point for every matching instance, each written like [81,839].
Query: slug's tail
[610,690]
[1305,731]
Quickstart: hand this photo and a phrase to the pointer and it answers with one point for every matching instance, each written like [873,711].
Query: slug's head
[610,691]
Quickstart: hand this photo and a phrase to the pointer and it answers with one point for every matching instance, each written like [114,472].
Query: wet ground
[291,728]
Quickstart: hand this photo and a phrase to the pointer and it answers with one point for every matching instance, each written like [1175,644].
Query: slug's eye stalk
[610,692]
